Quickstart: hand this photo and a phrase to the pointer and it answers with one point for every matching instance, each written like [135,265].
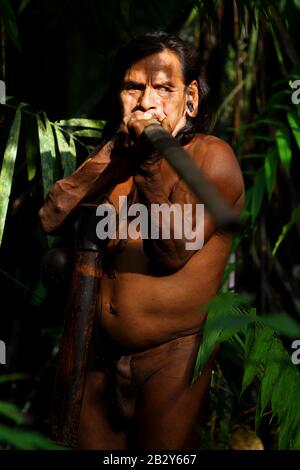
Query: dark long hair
[143,46]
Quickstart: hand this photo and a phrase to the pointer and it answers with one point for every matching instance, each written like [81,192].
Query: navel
[110,307]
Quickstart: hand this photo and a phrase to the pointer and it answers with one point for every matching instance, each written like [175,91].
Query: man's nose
[148,99]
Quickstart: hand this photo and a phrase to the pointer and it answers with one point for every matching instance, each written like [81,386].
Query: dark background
[56,56]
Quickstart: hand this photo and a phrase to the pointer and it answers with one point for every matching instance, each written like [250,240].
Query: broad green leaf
[88,133]
[270,167]
[294,123]
[282,106]
[282,323]
[285,405]
[284,148]
[229,325]
[205,350]
[26,440]
[11,377]
[273,369]
[279,396]
[67,152]
[294,218]
[47,152]
[257,355]
[11,411]
[30,156]
[257,193]
[7,169]
[235,322]
[296,444]
[82,122]
[290,417]
[223,304]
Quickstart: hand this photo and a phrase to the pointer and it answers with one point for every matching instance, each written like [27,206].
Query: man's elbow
[49,220]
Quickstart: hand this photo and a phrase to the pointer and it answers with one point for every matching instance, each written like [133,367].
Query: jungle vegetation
[55,60]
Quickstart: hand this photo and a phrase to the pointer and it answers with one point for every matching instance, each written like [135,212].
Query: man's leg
[169,410]
[99,427]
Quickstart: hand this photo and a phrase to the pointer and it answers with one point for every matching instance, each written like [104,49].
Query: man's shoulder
[210,148]
[219,163]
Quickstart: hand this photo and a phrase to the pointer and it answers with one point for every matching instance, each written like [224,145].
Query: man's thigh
[169,410]
[99,426]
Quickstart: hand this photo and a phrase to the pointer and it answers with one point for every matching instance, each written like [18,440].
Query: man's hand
[128,146]
[137,121]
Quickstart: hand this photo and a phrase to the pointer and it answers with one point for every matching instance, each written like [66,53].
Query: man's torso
[138,307]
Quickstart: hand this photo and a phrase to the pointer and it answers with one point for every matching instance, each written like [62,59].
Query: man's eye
[163,89]
[131,87]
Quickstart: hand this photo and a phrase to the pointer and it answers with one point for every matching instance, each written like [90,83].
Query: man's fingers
[138,125]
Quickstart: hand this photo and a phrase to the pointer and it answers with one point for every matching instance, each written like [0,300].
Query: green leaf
[294,123]
[271,374]
[283,402]
[282,323]
[47,152]
[26,440]
[297,4]
[30,156]
[223,304]
[296,445]
[11,411]
[257,193]
[11,377]
[294,218]
[277,97]
[7,169]
[82,122]
[22,5]
[230,324]
[67,153]
[282,106]
[270,168]
[88,133]
[8,19]
[256,355]
[263,138]
[269,121]
[284,148]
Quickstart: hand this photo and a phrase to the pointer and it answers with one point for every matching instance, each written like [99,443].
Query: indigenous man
[138,392]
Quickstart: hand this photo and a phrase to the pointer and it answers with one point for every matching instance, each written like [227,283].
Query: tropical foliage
[57,56]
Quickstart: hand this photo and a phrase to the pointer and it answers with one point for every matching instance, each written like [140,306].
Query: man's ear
[192,99]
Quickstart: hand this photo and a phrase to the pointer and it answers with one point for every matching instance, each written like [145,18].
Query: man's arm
[218,162]
[97,174]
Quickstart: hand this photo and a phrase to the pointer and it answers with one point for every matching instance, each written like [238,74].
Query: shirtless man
[138,392]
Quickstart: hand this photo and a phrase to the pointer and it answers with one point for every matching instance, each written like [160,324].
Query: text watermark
[296,354]
[2,92]
[2,352]
[296,94]
[162,221]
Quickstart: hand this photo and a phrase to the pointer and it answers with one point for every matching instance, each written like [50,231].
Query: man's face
[155,84]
